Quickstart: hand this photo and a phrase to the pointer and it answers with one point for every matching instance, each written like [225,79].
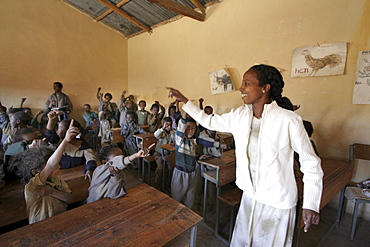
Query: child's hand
[204,156]
[223,146]
[114,170]
[177,94]
[53,115]
[44,190]
[145,151]
[71,132]
[88,175]
[201,100]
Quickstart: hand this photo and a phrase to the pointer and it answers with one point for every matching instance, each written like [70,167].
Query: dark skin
[256,95]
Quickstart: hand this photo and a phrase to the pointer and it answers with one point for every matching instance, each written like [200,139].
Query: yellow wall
[239,33]
[42,41]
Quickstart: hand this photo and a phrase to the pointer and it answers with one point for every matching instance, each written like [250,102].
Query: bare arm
[22,101]
[52,120]
[201,103]
[99,95]
[46,190]
[53,161]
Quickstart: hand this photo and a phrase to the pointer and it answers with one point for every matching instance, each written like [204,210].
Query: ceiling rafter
[125,15]
[199,6]
[123,2]
[180,9]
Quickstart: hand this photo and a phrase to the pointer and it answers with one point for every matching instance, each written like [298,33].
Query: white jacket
[281,134]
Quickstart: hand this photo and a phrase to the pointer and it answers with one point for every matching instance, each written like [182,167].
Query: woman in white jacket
[266,136]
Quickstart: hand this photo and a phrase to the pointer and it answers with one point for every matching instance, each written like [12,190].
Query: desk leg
[217,211]
[205,199]
[340,206]
[193,236]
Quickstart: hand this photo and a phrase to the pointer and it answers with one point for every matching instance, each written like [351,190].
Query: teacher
[266,136]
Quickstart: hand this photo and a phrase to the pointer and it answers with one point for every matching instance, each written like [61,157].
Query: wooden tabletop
[169,147]
[143,217]
[227,159]
[146,135]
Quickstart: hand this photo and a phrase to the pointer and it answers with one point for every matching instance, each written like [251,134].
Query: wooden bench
[231,198]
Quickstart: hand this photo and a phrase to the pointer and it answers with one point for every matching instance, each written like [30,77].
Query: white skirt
[258,224]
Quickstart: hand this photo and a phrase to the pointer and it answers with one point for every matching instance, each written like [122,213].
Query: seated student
[134,105]
[155,117]
[124,105]
[89,116]
[128,131]
[45,194]
[16,120]
[77,151]
[174,113]
[185,175]
[106,123]
[108,180]
[142,114]
[165,135]
[105,103]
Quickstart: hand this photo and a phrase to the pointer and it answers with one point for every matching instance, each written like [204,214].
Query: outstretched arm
[53,161]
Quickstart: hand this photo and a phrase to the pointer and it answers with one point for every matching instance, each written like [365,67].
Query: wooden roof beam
[125,15]
[123,2]
[180,9]
[199,6]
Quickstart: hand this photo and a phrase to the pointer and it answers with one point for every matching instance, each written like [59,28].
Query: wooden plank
[125,15]
[116,135]
[180,9]
[144,217]
[199,6]
[226,175]
[123,2]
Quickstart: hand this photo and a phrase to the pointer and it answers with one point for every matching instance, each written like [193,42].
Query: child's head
[107,114]
[64,125]
[131,97]
[27,110]
[167,123]
[154,109]
[172,110]
[87,108]
[108,152]
[128,103]
[26,134]
[108,97]
[208,110]
[130,116]
[190,128]
[19,119]
[30,162]
[308,127]
[142,104]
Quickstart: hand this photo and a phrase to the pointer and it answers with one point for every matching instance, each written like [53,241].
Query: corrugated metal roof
[138,15]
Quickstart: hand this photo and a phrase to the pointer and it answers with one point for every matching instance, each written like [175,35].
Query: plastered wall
[42,41]
[239,33]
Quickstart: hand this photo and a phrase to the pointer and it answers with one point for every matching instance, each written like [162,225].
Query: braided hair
[270,75]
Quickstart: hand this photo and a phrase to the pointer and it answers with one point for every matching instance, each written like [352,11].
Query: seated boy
[108,180]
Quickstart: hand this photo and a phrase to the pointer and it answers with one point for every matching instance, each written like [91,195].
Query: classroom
[43,41]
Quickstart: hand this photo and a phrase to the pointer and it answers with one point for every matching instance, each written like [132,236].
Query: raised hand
[177,94]
[71,132]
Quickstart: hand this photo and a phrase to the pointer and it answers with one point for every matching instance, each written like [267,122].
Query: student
[124,105]
[165,135]
[142,114]
[134,105]
[46,195]
[128,131]
[77,152]
[89,116]
[108,180]
[174,113]
[105,103]
[59,101]
[16,120]
[155,117]
[185,174]
[208,109]
[106,123]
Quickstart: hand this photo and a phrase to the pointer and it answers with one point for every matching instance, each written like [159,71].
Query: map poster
[319,60]
[361,88]
[220,81]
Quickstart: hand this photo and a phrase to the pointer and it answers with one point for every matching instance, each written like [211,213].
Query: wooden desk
[223,173]
[145,127]
[13,206]
[168,159]
[116,135]
[227,137]
[143,217]
[145,140]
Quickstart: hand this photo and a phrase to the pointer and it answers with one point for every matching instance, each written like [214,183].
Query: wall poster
[221,82]
[319,60]
[361,87]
